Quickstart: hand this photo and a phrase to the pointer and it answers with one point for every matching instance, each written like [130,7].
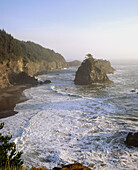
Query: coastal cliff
[93,71]
[74,63]
[19,56]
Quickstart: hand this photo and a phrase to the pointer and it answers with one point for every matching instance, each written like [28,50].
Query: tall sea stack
[90,72]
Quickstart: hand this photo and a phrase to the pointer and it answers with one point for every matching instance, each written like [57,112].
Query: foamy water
[62,123]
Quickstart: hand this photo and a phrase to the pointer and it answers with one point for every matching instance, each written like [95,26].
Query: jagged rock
[22,78]
[89,73]
[132,139]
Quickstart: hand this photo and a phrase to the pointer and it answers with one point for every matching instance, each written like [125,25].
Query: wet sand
[9,98]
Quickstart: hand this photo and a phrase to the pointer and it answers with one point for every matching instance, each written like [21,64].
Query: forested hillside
[11,48]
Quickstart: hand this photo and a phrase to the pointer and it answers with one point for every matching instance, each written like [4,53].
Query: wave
[53,88]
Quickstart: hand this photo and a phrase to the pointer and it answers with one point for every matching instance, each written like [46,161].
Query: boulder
[132,139]
[45,82]
[22,78]
[133,90]
[89,73]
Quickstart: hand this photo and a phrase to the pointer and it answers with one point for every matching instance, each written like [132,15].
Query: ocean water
[63,123]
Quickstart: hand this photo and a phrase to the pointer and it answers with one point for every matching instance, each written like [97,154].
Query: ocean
[64,123]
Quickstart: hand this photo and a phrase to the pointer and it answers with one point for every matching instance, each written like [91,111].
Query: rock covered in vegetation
[89,73]
[132,139]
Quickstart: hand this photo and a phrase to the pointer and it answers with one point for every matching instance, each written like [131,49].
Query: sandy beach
[9,98]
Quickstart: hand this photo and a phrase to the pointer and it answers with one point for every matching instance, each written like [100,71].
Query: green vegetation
[9,158]
[13,49]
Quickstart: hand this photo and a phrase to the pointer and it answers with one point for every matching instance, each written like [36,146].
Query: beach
[9,97]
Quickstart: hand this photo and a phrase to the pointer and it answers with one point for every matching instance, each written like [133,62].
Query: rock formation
[89,72]
[132,139]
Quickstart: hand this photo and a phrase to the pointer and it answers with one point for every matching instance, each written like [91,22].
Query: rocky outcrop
[89,73]
[74,63]
[104,66]
[132,139]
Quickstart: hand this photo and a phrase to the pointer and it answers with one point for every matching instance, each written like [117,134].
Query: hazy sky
[105,28]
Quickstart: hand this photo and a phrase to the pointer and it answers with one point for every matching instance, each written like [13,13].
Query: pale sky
[107,29]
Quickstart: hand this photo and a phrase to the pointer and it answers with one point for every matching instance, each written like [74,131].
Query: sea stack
[89,72]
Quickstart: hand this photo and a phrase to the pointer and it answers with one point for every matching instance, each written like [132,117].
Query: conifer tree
[8,155]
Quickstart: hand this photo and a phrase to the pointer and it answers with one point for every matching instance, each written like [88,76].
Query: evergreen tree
[8,155]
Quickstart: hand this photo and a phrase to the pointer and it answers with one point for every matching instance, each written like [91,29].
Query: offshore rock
[132,139]
[89,73]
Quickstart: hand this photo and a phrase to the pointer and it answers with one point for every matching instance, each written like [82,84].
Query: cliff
[19,56]
[89,72]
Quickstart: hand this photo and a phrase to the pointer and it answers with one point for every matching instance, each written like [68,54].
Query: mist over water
[62,123]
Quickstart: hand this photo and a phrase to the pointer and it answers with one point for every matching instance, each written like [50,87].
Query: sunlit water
[62,123]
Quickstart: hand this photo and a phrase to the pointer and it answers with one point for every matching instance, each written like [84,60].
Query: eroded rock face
[89,73]
[132,139]
[10,68]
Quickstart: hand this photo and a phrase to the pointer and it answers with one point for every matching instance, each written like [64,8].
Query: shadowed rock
[132,139]
[22,78]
